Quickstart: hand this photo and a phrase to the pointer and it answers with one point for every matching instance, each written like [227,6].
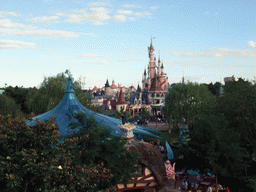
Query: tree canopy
[188,100]
[33,159]
[9,106]
[104,146]
[223,139]
[51,92]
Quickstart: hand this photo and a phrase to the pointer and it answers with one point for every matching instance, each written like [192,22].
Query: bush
[29,161]
[9,107]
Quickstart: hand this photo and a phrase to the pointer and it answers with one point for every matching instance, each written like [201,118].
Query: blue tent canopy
[69,105]
[67,108]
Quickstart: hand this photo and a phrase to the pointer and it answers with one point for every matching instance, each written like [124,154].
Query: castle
[156,84]
[151,96]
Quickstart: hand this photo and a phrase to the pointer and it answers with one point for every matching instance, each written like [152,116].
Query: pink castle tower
[152,60]
[154,71]
[159,65]
[162,77]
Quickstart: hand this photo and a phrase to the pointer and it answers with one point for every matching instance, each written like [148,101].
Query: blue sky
[206,39]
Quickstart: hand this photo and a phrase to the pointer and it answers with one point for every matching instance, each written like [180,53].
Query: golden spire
[151,44]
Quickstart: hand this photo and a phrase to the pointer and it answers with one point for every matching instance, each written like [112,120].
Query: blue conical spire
[67,108]
[162,66]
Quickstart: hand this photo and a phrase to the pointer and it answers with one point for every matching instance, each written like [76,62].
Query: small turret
[107,89]
[162,66]
[159,57]
[107,84]
[138,89]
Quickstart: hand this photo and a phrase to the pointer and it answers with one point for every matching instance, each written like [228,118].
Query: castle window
[152,95]
[157,95]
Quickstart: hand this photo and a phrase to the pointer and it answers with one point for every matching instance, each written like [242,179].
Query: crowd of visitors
[185,182]
[161,148]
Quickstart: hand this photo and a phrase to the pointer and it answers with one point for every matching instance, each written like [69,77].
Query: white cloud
[120,18]
[124,12]
[126,60]
[89,55]
[147,13]
[153,7]
[127,5]
[98,16]
[11,44]
[252,44]
[97,62]
[218,52]
[44,19]
[7,23]
[7,27]
[138,14]
[97,4]
[52,33]
[134,6]
[5,13]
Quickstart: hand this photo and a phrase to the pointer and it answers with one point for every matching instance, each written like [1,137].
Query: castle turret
[121,103]
[138,89]
[162,68]
[144,78]
[152,60]
[159,63]
[107,89]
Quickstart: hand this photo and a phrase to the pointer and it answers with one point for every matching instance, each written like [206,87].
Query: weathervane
[69,80]
[69,74]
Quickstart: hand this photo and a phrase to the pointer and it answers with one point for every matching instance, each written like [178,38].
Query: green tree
[119,114]
[29,161]
[187,100]
[19,94]
[51,92]
[239,107]
[223,140]
[143,114]
[8,106]
[104,146]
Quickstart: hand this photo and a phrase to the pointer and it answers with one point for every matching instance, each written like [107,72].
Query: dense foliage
[9,106]
[104,146]
[92,159]
[41,99]
[187,101]
[29,161]
[51,92]
[223,137]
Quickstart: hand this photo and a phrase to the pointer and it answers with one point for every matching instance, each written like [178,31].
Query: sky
[206,40]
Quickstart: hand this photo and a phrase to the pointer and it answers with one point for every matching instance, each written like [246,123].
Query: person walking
[209,189]
[184,185]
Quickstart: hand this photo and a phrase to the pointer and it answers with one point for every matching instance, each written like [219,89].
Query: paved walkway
[160,126]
